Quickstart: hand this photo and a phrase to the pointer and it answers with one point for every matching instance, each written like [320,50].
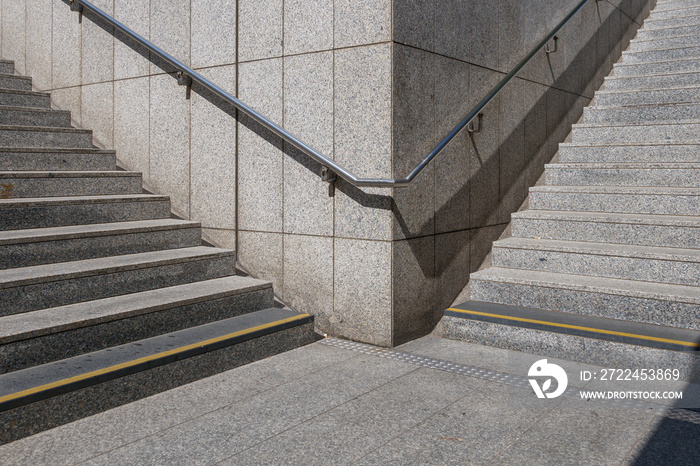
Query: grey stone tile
[414,23]
[413,284]
[97,48]
[488,357]
[169,159]
[308,274]
[259,152]
[221,434]
[452,165]
[103,432]
[577,431]
[470,431]
[512,22]
[459,352]
[666,441]
[66,35]
[513,162]
[362,98]
[413,138]
[213,33]
[308,114]
[261,254]
[213,154]
[220,237]
[481,240]
[97,109]
[484,163]
[356,428]
[170,24]
[451,36]
[136,15]
[132,124]
[361,22]
[451,267]
[483,33]
[38,42]
[260,29]
[13,33]
[452,185]
[68,99]
[362,288]
[535,131]
[308,26]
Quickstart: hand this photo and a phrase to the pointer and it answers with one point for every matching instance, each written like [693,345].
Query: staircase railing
[330,168]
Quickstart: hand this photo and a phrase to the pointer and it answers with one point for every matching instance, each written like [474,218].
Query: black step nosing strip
[60,387]
[557,322]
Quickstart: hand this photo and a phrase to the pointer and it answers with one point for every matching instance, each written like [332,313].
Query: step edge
[547,280]
[637,333]
[161,303]
[33,395]
[91,267]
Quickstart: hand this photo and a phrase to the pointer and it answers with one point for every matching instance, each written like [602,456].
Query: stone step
[602,342]
[676,22]
[47,335]
[7,66]
[37,287]
[670,5]
[665,33]
[21,184]
[647,96]
[36,136]
[638,200]
[627,262]
[690,65]
[17,214]
[664,44]
[633,229]
[11,98]
[676,13]
[685,175]
[629,153]
[43,397]
[27,116]
[636,114]
[629,300]
[24,248]
[659,132]
[658,81]
[629,57]
[56,159]
[15,82]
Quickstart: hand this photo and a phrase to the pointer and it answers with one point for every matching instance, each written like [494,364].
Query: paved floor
[339,403]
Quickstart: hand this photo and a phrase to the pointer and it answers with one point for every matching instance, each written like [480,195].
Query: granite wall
[373,84]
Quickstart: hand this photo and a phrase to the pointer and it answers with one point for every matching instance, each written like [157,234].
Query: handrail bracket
[329,175]
[475,127]
[184,79]
[77,6]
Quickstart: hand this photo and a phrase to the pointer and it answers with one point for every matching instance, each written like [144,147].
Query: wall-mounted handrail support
[184,79]
[330,165]
[475,127]
[77,6]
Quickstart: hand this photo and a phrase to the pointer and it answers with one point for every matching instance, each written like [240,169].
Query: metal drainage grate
[501,377]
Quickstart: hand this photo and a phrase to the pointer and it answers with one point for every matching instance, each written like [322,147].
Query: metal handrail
[329,167]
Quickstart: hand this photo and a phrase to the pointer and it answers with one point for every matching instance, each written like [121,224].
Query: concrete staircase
[104,296]
[604,265]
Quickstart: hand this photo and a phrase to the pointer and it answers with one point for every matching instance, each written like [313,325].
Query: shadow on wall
[524,167]
[514,169]
[674,440]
